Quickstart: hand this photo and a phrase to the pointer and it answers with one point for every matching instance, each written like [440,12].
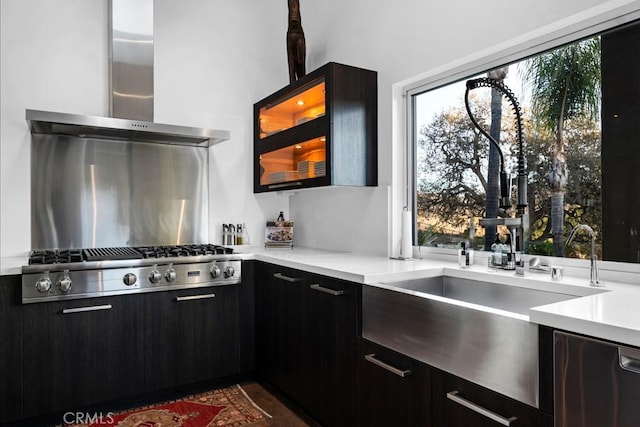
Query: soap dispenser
[465,255]
[496,253]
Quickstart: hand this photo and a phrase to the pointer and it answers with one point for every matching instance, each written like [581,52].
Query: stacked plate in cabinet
[320,168]
[283,176]
[305,169]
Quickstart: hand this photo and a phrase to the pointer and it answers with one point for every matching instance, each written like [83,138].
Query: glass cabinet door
[295,162]
[297,107]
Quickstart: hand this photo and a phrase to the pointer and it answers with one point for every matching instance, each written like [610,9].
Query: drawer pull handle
[453,395]
[287,278]
[399,372]
[629,359]
[195,297]
[317,287]
[89,308]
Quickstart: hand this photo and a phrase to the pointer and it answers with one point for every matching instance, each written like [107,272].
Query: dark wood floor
[283,412]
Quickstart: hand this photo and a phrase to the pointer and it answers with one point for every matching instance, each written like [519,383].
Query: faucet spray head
[505,200]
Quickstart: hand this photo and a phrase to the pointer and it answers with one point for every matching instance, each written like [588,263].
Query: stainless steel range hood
[46,122]
[131,90]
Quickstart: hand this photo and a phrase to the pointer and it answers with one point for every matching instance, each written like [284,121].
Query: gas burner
[207,249]
[55,256]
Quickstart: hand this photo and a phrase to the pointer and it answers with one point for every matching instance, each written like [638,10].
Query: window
[579,165]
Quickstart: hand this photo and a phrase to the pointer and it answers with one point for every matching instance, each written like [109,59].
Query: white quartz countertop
[611,313]
[12,265]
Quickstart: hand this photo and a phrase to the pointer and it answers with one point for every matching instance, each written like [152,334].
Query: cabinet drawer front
[484,412]
[192,335]
[460,403]
[82,352]
[394,390]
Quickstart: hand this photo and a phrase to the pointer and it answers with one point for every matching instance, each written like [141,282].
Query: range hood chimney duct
[131,59]
[131,90]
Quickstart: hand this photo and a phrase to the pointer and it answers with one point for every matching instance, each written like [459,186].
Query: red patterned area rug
[228,406]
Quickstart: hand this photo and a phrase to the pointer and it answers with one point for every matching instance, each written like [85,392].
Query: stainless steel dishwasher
[597,383]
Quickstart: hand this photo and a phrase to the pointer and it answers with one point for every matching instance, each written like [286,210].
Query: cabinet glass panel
[298,107]
[303,160]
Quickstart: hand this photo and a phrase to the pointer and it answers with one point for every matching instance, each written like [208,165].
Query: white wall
[213,60]
[400,40]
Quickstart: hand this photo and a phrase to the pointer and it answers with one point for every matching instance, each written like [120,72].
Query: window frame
[576,27]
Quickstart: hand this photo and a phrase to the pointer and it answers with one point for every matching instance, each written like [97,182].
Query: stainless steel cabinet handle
[195,297]
[287,278]
[317,287]
[629,359]
[89,308]
[399,372]
[453,395]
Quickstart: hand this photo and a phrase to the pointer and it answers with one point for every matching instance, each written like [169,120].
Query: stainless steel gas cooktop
[84,273]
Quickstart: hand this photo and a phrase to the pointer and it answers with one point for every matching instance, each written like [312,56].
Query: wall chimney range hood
[47,122]
[131,90]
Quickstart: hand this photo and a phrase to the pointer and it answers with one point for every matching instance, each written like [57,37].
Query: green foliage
[425,234]
[565,86]
[448,203]
[565,83]
[452,158]
[542,248]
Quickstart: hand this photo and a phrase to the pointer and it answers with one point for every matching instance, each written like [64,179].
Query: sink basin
[513,299]
[474,329]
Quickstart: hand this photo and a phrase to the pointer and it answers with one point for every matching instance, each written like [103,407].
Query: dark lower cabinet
[191,336]
[82,352]
[331,363]
[281,339]
[306,339]
[460,403]
[11,388]
[394,390]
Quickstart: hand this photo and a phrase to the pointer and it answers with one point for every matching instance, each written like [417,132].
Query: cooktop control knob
[130,279]
[215,272]
[170,274]
[228,271]
[43,284]
[64,283]
[154,275]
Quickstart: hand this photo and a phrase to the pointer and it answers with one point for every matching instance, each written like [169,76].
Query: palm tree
[493,168]
[565,85]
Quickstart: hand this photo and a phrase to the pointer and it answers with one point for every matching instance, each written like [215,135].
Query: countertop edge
[599,330]
[311,268]
[367,269]
[10,266]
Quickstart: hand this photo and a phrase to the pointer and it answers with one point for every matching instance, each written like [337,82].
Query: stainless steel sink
[476,330]
[513,299]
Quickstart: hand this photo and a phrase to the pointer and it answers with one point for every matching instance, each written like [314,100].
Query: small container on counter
[240,234]
[225,234]
[465,255]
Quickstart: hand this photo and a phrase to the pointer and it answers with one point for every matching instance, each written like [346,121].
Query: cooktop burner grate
[108,254]
[55,256]
[62,256]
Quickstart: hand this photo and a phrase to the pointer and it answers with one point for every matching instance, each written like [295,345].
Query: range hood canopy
[83,126]
[131,90]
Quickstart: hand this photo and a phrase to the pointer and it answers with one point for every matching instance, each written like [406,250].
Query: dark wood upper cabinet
[320,130]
